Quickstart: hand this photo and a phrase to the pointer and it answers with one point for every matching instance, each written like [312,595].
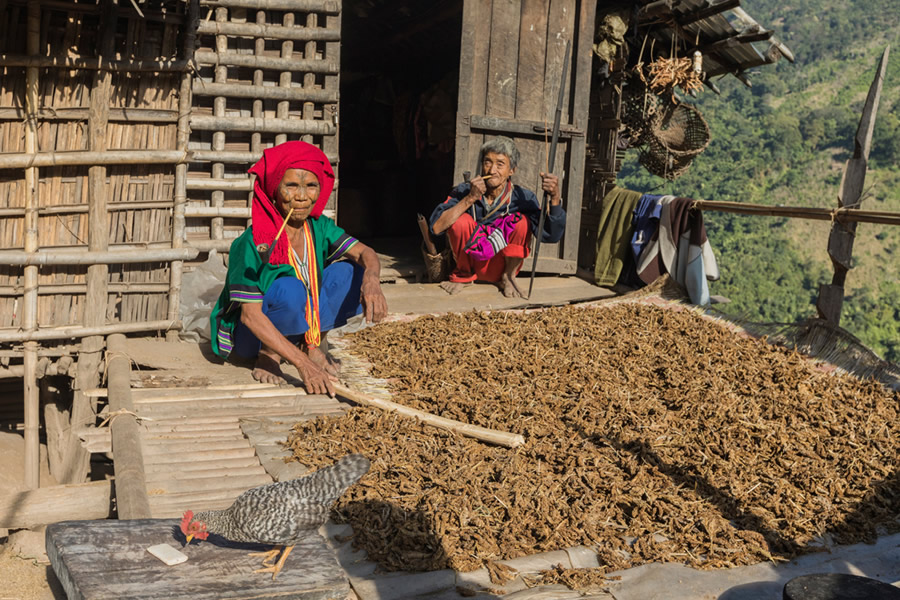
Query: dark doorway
[399,84]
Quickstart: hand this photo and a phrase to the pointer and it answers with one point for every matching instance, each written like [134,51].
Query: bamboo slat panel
[72,32]
[268,73]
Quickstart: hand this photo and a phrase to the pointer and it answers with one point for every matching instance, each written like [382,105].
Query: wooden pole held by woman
[491,436]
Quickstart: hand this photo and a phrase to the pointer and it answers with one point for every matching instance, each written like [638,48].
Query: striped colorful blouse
[248,278]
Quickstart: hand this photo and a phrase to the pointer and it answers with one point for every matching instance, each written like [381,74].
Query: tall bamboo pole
[75,459]
[29,316]
[309,79]
[182,137]
[284,79]
[217,198]
[259,49]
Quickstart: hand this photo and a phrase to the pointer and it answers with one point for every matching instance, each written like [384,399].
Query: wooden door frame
[472,122]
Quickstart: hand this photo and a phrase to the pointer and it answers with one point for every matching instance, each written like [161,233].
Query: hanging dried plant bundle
[666,73]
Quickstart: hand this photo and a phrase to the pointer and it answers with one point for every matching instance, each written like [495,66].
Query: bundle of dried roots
[666,73]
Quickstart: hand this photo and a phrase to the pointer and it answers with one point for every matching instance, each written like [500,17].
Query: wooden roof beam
[710,10]
[750,22]
[735,40]
[655,10]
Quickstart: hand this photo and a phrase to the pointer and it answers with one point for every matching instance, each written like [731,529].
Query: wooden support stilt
[183,135]
[840,241]
[76,459]
[217,198]
[131,486]
[29,315]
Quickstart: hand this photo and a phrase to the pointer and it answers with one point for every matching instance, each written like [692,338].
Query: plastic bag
[200,289]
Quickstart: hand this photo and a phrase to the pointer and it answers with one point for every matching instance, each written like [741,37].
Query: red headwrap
[266,220]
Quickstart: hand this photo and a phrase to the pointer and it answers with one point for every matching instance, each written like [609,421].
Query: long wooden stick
[539,234]
[853,215]
[105,257]
[179,196]
[52,504]
[87,158]
[500,438]
[63,333]
[326,6]
[29,309]
[71,64]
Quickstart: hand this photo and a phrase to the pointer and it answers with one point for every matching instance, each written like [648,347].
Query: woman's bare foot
[453,287]
[268,368]
[509,288]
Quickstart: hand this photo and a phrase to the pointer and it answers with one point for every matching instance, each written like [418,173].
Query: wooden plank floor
[108,560]
[195,454]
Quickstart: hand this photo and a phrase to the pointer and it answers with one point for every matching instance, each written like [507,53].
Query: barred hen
[281,513]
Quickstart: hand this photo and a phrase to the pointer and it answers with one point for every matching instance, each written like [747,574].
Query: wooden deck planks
[196,455]
[100,560]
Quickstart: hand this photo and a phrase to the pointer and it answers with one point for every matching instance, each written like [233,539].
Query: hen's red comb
[186,520]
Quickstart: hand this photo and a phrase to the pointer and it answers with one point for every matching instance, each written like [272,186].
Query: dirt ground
[26,579]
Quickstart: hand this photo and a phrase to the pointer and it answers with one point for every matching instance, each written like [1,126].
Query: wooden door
[509,77]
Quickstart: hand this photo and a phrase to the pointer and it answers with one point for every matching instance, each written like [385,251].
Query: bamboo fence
[125,139]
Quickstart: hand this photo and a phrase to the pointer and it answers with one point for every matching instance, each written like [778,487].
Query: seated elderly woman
[489,221]
[285,288]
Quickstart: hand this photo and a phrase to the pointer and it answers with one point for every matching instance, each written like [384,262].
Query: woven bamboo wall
[142,115]
[265,77]
[244,75]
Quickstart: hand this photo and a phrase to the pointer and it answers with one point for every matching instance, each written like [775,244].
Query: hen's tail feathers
[328,483]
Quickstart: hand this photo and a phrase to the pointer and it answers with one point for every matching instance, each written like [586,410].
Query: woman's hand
[372,298]
[477,190]
[550,184]
[315,379]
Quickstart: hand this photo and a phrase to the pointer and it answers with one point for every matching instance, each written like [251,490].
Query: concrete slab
[429,298]
[764,581]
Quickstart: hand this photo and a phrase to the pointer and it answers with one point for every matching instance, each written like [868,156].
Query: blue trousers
[285,305]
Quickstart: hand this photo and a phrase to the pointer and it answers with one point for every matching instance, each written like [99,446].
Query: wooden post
[29,314]
[284,79]
[217,198]
[24,510]
[259,49]
[181,169]
[309,80]
[128,461]
[76,460]
[331,143]
[840,241]
[581,90]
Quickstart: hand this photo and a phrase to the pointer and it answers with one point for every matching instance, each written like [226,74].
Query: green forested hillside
[785,141]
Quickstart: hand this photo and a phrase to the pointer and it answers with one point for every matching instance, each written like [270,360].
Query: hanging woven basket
[640,108]
[674,139]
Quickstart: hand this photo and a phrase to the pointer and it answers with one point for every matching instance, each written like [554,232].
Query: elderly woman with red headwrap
[284,292]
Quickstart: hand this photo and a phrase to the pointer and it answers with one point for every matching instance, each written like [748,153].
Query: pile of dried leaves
[652,435]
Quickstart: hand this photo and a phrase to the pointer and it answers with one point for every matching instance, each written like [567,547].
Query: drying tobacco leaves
[652,435]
